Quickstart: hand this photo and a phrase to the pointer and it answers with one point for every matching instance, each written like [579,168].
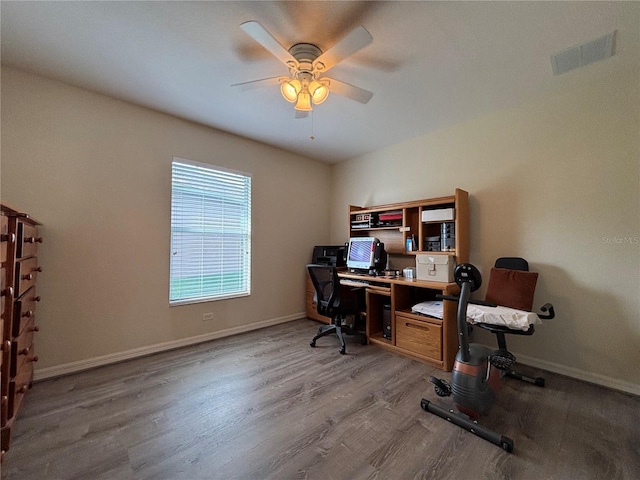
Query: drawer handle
[32,239]
[36,299]
[8,237]
[34,359]
[37,269]
[6,345]
[28,314]
[7,292]
[24,351]
[35,328]
[23,389]
[413,325]
[28,276]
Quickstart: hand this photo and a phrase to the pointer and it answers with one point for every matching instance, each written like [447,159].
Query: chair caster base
[313,344]
[342,351]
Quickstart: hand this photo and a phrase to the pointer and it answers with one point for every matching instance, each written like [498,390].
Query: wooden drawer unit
[25,275]
[24,310]
[27,240]
[22,349]
[312,307]
[419,336]
[6,296]
[4,238]
[20,270]
[18,386]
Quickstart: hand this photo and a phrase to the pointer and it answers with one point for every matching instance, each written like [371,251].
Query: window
[210,233]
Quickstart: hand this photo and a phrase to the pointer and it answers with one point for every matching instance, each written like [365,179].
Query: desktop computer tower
[386,321]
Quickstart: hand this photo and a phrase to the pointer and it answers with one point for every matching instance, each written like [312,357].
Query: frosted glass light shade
[304,102]
[290,89]
[319,92]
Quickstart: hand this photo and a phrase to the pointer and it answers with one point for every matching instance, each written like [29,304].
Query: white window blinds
[210,233]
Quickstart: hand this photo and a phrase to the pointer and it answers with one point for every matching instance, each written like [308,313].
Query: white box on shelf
[439,215]
[435,268]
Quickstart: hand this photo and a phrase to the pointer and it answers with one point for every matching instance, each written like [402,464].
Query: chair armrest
[452,298]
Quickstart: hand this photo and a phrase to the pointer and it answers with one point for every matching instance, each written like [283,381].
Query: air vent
[582,55]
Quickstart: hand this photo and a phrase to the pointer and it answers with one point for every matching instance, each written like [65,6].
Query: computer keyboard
[354,283]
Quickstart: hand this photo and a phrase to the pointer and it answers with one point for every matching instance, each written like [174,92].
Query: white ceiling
[431,64]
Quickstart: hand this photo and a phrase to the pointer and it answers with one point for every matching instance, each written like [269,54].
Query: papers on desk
[431,308]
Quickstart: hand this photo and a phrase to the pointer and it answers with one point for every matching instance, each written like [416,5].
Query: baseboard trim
[602,380]
[74,367]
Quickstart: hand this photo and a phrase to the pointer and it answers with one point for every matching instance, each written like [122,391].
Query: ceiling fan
[306,84]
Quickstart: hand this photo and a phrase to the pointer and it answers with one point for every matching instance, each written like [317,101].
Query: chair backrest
[327,286]
[511,284]
[512,263]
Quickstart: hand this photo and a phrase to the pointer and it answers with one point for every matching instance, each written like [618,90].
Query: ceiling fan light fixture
[304,102]
[305,86]
[290,89]
[319,91]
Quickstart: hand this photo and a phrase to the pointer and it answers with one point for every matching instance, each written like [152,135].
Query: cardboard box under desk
[435,268]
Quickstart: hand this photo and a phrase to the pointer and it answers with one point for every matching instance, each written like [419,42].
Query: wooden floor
[265,405]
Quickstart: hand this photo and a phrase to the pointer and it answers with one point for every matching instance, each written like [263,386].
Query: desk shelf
[397,228]
[412,226]
[379,339]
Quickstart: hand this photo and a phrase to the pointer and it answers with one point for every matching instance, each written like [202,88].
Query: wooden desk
[408,229]
[429,339]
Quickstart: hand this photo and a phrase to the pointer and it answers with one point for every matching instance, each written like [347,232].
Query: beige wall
[97,173]
[555,181]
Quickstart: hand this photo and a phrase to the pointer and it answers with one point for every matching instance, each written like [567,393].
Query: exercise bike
[477,370]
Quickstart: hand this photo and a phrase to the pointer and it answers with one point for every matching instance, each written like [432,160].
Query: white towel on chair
[504,316]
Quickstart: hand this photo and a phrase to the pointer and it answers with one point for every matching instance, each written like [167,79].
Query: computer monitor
[361,254]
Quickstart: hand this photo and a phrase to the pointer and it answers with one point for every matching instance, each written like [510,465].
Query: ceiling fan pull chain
[312,137]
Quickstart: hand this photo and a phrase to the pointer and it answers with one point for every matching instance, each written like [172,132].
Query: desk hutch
[430,339]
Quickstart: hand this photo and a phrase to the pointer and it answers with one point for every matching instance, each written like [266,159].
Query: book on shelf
[390,216]
[360,226]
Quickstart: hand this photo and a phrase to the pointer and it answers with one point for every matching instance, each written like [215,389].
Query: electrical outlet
[207,317]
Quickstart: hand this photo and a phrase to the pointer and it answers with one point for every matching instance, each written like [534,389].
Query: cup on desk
[409,273]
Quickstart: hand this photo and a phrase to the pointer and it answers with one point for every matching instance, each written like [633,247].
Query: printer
[333,255]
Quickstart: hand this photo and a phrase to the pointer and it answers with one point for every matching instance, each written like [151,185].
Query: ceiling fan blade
[260,34]
[350,91]
[356,39]
[264,82]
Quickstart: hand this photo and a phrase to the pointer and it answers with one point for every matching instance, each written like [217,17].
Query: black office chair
[333,303]
[510,286]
